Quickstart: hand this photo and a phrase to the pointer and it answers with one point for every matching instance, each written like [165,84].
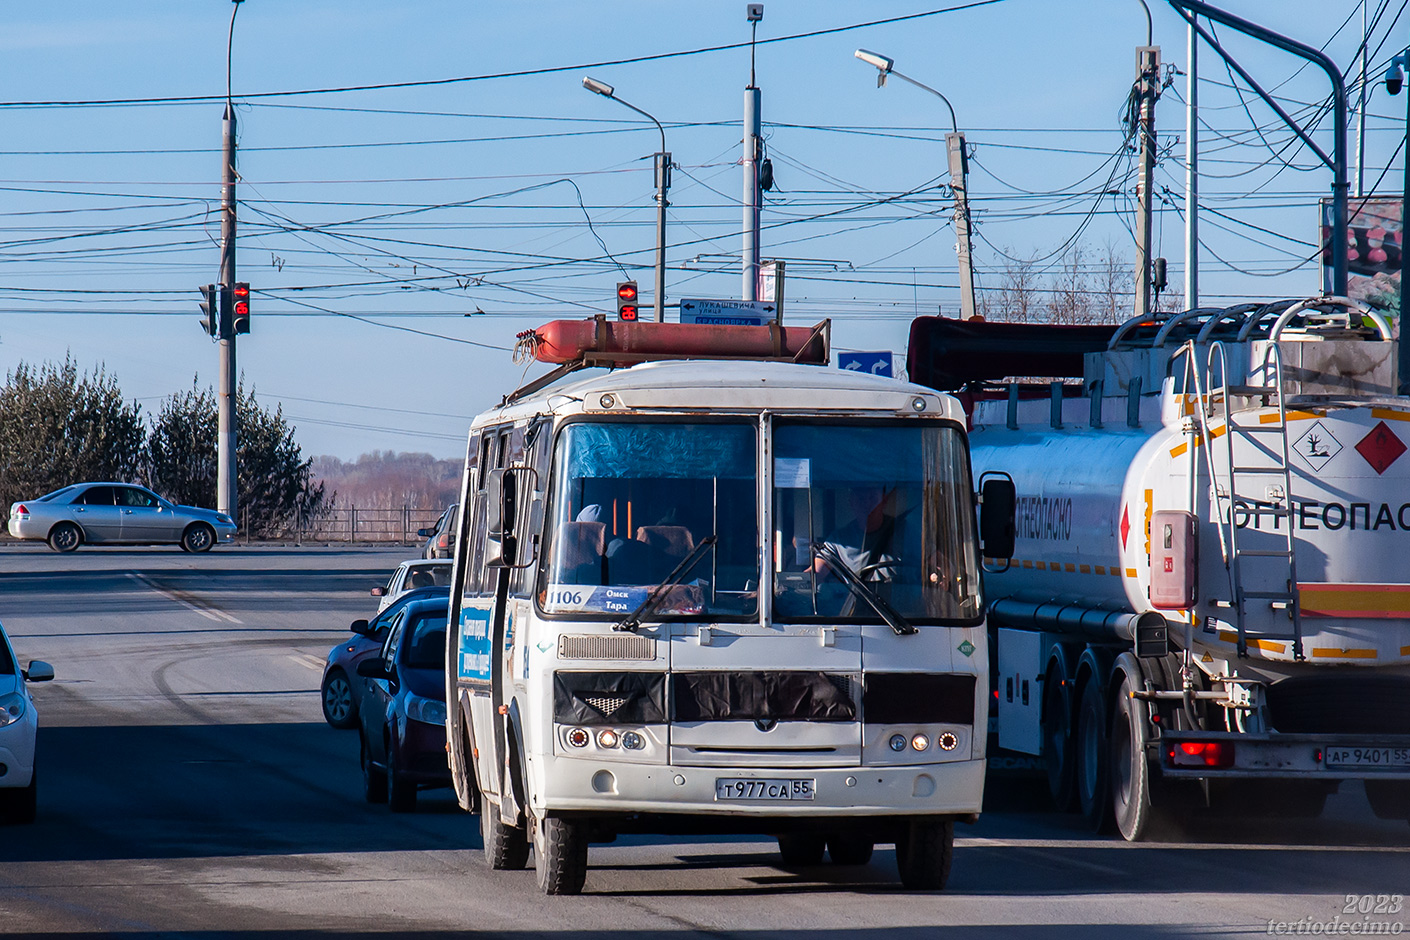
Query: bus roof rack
[599,342]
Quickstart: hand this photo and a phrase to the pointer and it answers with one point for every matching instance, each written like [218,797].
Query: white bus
[723,596]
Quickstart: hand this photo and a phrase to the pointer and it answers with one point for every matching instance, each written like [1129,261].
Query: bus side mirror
[997,502]
[507,495]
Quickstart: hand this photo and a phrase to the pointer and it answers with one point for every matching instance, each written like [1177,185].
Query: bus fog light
[898,742]
[947,741]
[607,738]
[920,742]
[633,741]
[578,737]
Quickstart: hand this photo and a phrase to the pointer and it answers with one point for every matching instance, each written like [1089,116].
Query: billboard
[1375,235]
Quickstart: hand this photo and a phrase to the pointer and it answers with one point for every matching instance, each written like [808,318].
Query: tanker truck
[1208,606]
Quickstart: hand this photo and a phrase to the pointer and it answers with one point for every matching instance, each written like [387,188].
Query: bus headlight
[898,742]
[920,742]
[633,741]
[947,741]
[577,737]
[606,738]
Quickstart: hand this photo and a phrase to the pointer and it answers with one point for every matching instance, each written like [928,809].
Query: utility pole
[225,491]
[959,176]
[663,184]
[1191,170]
[752,152]
[1148,89]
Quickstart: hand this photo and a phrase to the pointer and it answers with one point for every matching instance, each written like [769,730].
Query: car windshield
[891,503]
[424,646]
[633,502]
[418,576]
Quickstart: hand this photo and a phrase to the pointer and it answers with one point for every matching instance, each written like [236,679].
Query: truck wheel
[923,854]
[1138,801]
[560,856]
[801,849]
[1057,739]
[1390,799]
[1092,757]
[506,848]
[850,848]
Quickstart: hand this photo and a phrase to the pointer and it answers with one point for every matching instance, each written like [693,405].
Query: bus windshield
[631,503]
[890,502]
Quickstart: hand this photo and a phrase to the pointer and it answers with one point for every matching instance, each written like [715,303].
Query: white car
[18,724]
[432,572]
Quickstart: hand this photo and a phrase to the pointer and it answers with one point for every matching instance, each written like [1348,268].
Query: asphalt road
[189,788]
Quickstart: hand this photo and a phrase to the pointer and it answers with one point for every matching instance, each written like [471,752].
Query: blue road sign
[873,363]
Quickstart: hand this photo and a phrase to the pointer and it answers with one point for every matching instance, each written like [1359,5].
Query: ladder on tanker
[1250,477]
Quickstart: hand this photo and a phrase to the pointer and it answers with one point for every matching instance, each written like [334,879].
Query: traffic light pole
[1148,88]
[225,491]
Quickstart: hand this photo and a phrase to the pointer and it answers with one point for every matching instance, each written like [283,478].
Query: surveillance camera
[754,12]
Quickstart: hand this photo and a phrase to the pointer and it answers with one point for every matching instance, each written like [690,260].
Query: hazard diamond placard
[1381,447]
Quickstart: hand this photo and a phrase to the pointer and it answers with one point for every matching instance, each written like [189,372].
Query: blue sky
[410,208]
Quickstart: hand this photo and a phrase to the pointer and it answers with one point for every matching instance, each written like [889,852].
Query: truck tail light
[1201,754]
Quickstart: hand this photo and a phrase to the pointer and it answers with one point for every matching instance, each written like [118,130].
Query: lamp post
[663,183]
[959,176]
[1395,80]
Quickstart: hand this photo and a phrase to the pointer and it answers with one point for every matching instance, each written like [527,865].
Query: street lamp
[959,173]
[1395,80]
[663,183]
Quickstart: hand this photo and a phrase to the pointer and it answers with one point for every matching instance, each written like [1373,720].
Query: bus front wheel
[560,855]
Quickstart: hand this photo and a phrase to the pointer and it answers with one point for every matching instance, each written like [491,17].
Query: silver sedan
[109,513]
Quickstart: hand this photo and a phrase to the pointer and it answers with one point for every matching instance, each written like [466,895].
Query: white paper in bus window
[793,473]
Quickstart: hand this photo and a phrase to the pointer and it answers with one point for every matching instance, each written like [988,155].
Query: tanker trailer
[1209,602]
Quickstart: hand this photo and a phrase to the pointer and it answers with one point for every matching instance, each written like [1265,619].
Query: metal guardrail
[351,524]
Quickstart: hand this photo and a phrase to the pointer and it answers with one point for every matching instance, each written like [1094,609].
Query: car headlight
[12,708]
[429,710]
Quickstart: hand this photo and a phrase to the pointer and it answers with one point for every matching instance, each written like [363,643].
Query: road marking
[305,659]
[209,613]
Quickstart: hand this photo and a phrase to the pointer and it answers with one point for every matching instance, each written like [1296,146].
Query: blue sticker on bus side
[474,644]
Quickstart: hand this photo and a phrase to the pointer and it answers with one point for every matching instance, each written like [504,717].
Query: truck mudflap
[1227,754]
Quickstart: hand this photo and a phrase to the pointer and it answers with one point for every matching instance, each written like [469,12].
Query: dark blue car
[402,708]
[339,672]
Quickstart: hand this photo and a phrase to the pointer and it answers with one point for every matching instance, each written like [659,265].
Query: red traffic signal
[626,300]
[241,321]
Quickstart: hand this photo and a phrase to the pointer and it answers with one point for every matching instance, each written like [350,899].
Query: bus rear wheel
[560,856]
[506,848]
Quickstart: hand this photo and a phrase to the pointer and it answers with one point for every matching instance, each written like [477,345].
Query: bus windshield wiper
[633,620]
[861,589]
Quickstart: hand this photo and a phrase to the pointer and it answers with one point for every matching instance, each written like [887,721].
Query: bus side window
[526,452]
[475,581]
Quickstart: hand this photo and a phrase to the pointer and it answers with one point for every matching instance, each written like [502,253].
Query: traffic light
[210,313]
[626,300]
[241,321]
